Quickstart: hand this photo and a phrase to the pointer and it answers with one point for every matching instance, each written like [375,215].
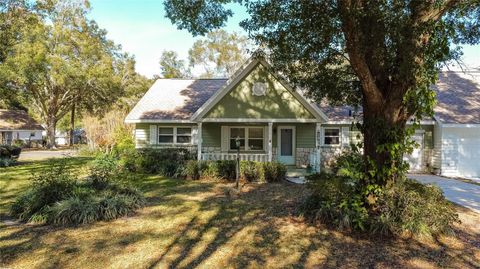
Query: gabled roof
[458,96]
[17,120]
[183,100]
[174,99]
[245,70]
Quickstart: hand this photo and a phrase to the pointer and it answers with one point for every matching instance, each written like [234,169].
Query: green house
[272,120]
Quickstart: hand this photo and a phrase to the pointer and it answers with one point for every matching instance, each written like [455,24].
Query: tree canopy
[220,53]
[173,67]
[383,55]
[63,62]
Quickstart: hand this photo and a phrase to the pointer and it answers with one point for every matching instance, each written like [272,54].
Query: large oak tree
[383,55]
[64,61]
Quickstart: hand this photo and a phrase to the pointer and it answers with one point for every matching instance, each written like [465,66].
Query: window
[331,136]
[165,135]
[184,135]
[174,135]
[251,138]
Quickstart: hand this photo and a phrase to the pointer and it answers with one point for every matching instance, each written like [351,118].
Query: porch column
[270,129]
[199,141]
[318,135]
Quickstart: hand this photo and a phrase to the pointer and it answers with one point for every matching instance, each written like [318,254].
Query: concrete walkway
[465,194]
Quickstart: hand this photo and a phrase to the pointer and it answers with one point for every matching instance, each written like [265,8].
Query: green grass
[195,224]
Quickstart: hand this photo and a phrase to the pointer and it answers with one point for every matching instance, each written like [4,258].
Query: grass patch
[189,224]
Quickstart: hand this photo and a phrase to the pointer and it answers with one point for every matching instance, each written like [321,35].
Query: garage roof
[458,95]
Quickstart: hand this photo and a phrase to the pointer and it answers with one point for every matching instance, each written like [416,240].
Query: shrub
[334,200]
[209,169]
[192,169]
[274,171]
[55,196]
[74,210]
[10,152]
[102,170]
[48,187]
[6,162]
[251,171]
[405,206]
[349,164]
[227,169]
[409,206]
[167,162]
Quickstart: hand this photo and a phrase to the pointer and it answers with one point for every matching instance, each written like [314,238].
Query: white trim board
[158,121]
[246,120]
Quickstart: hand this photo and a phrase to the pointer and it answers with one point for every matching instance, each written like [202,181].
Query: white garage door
[461,148]
[469,157]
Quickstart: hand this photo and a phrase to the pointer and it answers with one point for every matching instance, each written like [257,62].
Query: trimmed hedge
[249,170]
[167,162]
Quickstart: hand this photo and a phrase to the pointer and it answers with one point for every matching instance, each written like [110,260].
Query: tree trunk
[51,128]
[72,125]
[384,134]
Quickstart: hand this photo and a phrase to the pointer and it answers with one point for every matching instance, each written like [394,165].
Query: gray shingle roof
[17,120]
[458,97]
[174,99]
[178,99]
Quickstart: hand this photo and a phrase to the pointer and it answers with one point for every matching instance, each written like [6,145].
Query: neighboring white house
[18,125]
[273,121]
[457,129]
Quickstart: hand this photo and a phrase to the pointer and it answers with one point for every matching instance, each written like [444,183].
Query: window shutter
[225,138]
[345,136]
[153,134]
[265,139]
[194,135]
[322,136]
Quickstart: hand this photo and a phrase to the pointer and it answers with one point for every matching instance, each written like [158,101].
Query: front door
[286,145]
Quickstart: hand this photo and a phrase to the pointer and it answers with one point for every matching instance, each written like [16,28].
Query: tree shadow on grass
[258,228]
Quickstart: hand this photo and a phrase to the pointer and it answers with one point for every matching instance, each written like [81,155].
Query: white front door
[286,144]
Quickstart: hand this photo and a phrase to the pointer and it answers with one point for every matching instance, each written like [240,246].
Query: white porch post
[270,129]
[199,142]
[318,135]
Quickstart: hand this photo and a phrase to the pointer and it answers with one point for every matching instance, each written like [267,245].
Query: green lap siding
[305,134]
[211,134]
[142,134]
[278,102]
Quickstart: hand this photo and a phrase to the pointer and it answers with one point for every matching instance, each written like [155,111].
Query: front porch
[292,143]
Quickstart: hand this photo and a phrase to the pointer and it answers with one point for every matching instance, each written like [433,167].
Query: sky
[142,29]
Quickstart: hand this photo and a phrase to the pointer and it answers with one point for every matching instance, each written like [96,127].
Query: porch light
[237,142]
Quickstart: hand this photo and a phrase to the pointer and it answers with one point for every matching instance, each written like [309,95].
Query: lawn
[190,224]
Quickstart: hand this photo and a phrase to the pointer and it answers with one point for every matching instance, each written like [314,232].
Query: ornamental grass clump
[56,196]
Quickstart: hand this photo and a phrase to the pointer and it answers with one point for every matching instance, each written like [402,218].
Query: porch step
[296,172]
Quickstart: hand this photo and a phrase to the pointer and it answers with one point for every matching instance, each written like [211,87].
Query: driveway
[45,154]
[465,194]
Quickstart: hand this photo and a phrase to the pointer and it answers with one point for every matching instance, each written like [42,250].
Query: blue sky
[141,28]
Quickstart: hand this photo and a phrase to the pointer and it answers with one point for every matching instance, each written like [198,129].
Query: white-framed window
[331,136]
[251,138]
[174,135]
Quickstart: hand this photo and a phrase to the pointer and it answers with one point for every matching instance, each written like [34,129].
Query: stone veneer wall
[327,155]
[302,157]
